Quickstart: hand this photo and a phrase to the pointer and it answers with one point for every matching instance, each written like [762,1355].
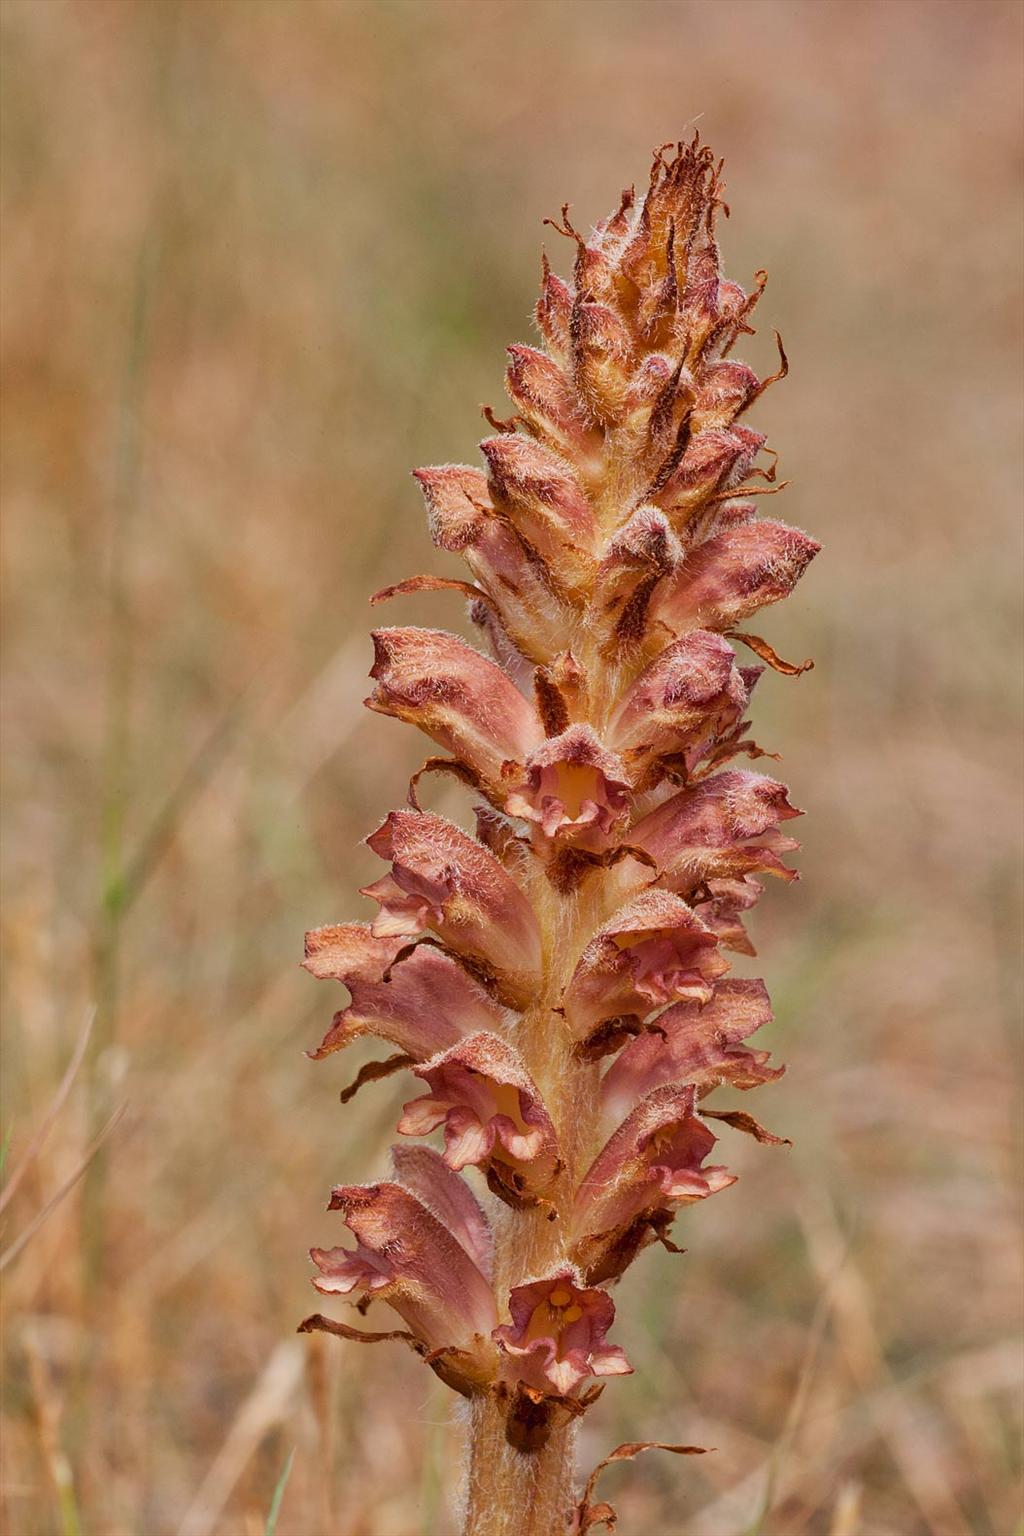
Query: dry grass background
[260,258]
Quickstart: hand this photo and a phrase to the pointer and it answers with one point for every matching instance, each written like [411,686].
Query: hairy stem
[511,1493]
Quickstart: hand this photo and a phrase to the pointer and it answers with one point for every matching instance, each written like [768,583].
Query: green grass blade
[275,1503]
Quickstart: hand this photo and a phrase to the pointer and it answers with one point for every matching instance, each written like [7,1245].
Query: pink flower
[541,496]
[643,551]
[654,950]
[556,1338]
[444,880]
[462,519]
[696,1044]
[548,405]
[418,997]
[648,1168]
[492,1114]
[574,790]
[406,1257]
[605,357]
[679,706]
[466,703]
[724,388]
[732,575]
[715,460]
[553,313]
[724,828]
[458,502]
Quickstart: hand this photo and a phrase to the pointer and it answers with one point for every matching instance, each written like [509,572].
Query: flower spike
[559,980]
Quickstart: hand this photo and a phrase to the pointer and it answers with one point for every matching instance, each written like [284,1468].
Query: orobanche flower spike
[557,984]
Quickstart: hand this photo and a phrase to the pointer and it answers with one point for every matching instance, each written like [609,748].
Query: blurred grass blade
[268,1404]
[10,1254]
[56,1104]
[275,1503]
[48,1414]
[195,777]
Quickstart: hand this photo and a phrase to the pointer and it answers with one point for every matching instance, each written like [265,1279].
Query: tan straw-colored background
[260,258]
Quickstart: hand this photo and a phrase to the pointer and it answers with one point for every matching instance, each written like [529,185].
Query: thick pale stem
[512,1493]
[515,1494]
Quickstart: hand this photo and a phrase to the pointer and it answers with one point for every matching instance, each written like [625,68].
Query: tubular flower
[654,950]
[417,996]
[492,1114]
[556,1338]
[408,1258]
[558,981]
[575,791]
[648,1168]
[685,702]
[696,1044]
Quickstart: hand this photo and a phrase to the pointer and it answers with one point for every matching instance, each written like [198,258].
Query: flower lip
[556,1338]
[720,906]
[482,1094]
[574,790]
[653,951]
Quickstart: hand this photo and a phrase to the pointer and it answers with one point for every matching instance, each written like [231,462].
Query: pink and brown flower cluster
[558,981]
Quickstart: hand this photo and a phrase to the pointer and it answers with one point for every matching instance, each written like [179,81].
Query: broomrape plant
[559,982]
